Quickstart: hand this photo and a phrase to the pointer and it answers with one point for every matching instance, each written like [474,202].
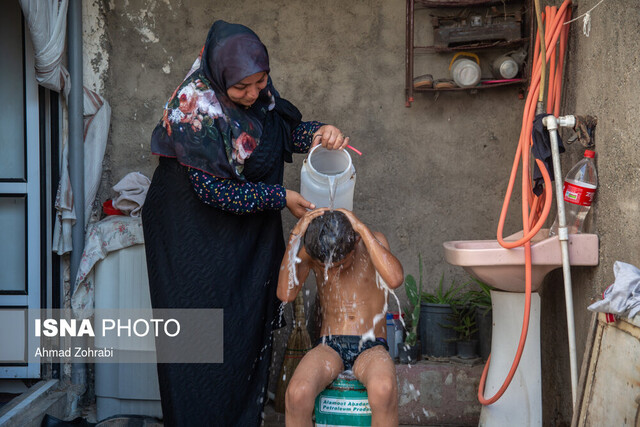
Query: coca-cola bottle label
[577,194]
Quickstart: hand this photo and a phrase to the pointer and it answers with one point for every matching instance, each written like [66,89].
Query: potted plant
[484,320]
[436,333]
[408,351]
[465,327]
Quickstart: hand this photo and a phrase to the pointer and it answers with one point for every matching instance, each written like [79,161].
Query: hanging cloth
[47,23]
[541,149]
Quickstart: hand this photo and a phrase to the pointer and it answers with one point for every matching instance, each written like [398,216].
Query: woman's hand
[297,204]
[330,137]
[301,227]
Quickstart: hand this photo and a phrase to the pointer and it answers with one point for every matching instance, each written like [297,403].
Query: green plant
[481,299]
[464,321]
[449,296]
[414,292]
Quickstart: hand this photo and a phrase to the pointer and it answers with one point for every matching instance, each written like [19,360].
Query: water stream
[332,191]
[293,260]
[370,334]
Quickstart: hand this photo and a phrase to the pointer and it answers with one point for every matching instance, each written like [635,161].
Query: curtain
[47,23]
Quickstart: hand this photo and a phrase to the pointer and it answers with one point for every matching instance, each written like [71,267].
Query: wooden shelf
[412,49]
[473,46]
[457,3]
[479,87]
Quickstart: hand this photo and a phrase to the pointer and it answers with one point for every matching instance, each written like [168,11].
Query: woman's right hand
[301,227]
[297,204]
[330,137]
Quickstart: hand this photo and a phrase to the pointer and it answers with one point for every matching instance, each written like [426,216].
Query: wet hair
[330,237]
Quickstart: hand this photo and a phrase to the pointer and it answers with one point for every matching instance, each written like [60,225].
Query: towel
[132,190]
[541,149]
[623,297]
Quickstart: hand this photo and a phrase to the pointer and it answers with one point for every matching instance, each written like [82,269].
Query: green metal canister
[343,403]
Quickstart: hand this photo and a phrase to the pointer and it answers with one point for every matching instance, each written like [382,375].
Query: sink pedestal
[521,404]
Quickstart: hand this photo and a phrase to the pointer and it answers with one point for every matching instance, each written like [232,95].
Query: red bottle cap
[589,153]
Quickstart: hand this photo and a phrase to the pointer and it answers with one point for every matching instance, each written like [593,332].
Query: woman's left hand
[330,137]
[297,204]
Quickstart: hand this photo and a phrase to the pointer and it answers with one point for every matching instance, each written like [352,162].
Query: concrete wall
[430,173]
[601,80]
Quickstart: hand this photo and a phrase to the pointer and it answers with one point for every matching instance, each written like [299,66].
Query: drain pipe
[76,157]
[552,123]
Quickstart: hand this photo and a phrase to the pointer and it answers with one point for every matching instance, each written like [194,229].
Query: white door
[21,242]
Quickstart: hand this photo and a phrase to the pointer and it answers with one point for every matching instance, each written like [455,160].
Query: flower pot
[436,333]
[467,349]
[484,321]
[408,353]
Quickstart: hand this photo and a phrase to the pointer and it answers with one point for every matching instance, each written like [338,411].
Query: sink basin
[504,268]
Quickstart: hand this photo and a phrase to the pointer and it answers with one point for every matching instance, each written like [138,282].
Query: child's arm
[287,291]
[385,263]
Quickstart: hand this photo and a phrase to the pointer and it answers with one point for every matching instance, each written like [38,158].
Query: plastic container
[391,336]
[580,185]
[121,282]
[394,333]
[437,336]
[328,175]
[398,330]
[465,72]
[343,403]
[505,67]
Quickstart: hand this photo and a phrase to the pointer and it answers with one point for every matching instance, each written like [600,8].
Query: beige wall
[601,80]
[431,173]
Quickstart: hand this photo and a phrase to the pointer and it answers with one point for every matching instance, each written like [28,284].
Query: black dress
[203,257]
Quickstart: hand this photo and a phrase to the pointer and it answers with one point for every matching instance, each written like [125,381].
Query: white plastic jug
[323,170]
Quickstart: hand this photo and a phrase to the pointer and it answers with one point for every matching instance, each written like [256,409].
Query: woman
[212,224]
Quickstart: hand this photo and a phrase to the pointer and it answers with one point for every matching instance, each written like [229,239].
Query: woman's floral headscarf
[201,126]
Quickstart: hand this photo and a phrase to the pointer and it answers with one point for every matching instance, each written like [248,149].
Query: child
[345,256]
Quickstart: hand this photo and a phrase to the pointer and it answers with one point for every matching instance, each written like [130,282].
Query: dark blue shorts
[348,346]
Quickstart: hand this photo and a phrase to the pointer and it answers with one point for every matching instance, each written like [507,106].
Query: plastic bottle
[399,329]
[579,188]
[391,336]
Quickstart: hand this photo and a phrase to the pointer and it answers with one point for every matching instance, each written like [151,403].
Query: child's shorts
[348,346]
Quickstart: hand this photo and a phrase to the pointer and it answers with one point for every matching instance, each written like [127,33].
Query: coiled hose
[535,209]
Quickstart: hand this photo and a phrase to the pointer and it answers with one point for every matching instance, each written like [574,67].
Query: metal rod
[76,151]
[409,53]
[551,124]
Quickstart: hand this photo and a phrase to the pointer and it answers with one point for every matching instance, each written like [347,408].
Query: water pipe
[76,168]
[535,210]
[552,123]
[543,70]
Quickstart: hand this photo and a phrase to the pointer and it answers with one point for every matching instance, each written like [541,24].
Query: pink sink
[503,268]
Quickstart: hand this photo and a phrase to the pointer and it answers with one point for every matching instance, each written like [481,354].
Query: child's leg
[375,369]
[316,370]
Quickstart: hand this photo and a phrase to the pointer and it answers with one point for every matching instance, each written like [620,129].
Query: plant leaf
[411,289]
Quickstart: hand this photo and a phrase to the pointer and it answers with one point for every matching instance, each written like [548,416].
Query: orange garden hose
[535,209]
